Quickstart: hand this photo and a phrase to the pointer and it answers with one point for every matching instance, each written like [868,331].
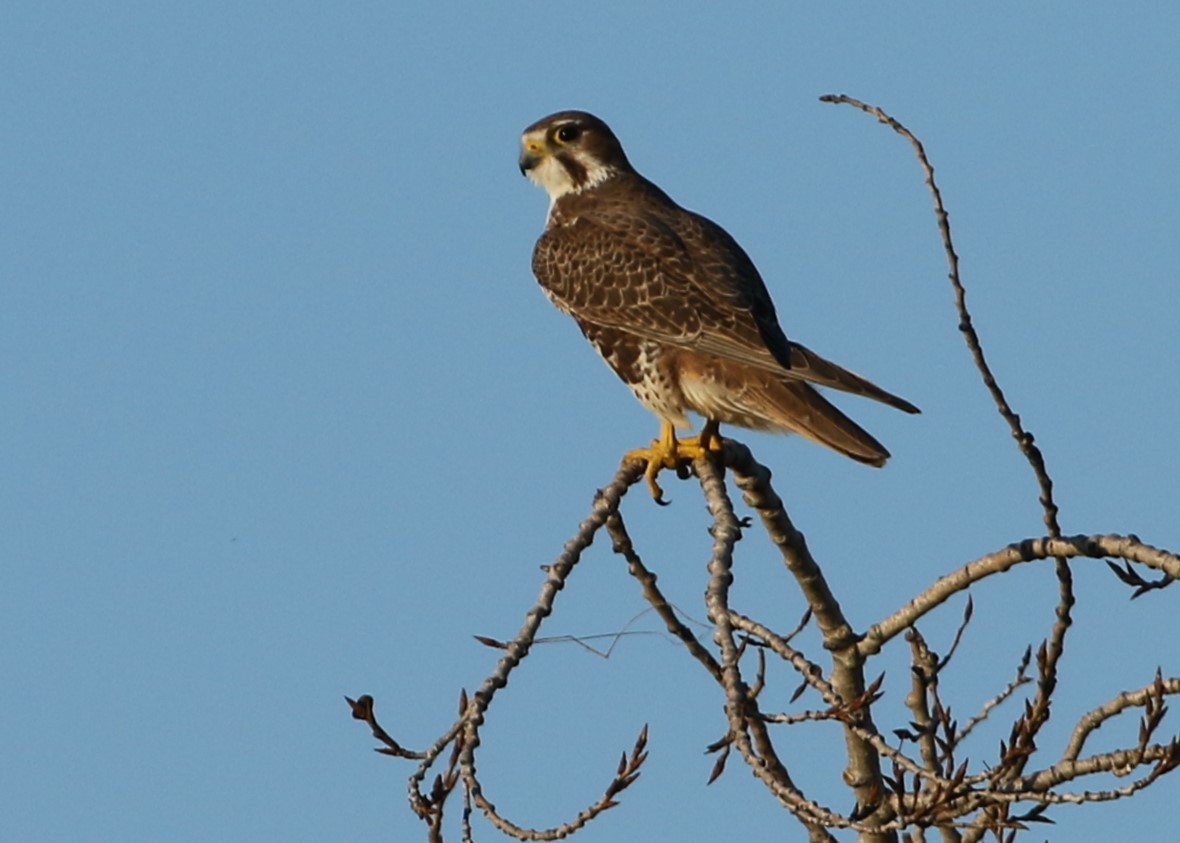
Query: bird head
[569,152]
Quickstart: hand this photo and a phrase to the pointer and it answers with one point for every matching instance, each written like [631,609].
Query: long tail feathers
[809,366]
[797,407]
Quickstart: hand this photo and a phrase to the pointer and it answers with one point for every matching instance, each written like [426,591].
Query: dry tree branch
[954,794]
[1129,548]
[812,673]
[848,680]
[1145,697]
[606,503]
[726,532]
[362,709]
[464,734]
[951,797]
[968,611]
[814,678]
[923,691]
[1035,786]
[1020,679]
[622,545]
[1055,646]
[966,326]
[939,797]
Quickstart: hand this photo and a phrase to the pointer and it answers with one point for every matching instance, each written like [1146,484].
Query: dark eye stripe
[577,172]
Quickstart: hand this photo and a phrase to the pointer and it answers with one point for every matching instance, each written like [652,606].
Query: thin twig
[1020,679]
[621,544]
[1054,648]
[1029,550]
[606,503]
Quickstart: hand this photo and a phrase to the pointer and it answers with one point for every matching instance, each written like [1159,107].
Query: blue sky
[287,418]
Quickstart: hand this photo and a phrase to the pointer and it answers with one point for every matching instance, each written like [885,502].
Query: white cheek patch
[549,174]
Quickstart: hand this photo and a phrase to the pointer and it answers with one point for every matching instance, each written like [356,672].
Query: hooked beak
[532,150]
[527,161]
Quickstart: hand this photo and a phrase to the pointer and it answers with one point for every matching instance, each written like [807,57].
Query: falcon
[675,306]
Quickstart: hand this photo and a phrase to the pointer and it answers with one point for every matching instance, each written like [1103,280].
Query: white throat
[556,180]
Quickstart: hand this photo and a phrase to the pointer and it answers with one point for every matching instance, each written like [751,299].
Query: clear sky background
[285,416]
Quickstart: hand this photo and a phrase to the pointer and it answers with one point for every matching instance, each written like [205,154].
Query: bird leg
[669,452]
[707,442]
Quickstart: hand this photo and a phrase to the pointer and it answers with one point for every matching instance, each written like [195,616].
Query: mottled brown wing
[724,273]
[694,288]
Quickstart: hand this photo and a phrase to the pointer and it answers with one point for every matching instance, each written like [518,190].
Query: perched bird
[674,305]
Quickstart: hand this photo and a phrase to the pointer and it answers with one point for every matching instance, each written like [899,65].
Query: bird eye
[568,132]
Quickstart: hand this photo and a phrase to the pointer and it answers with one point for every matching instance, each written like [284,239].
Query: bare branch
[811,672]
[863,772]
[1029,550]
[362,709]
[966,326]
[651,592]
[726,532]
[1009,689]
[923,682]
[1094,719]
[606,503]
[1055,646]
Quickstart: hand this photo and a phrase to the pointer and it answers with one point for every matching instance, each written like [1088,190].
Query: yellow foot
[673,453]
